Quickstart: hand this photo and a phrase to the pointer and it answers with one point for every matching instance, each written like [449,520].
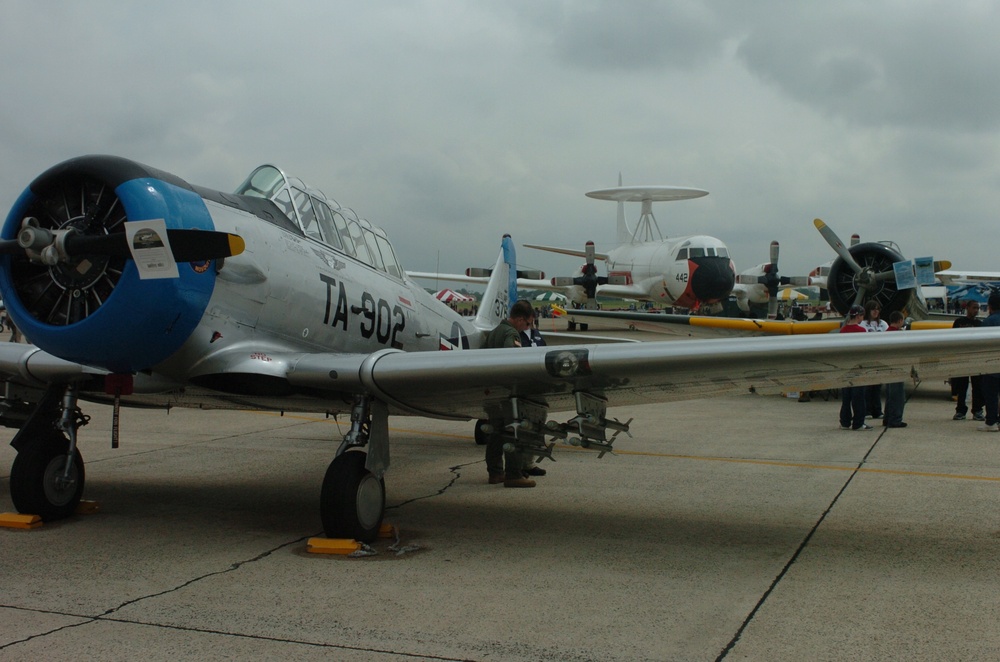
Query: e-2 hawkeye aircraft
[693,271]
[137,288]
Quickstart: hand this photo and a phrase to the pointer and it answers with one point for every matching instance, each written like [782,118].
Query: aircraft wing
[956,277]
[525,283]
[714,326]
[460,384]
[575,252]
[708,326]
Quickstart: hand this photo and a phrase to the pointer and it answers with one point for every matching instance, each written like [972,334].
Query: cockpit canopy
[323,219]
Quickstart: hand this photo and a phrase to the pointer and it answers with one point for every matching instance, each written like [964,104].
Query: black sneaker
[864,426]
[979,416]
[960,417]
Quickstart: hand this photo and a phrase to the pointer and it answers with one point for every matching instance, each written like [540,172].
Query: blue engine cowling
[95,309]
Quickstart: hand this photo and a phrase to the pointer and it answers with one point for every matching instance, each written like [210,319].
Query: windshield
[263,182]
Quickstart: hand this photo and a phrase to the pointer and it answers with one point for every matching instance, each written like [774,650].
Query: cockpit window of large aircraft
[682,254]
[697,252]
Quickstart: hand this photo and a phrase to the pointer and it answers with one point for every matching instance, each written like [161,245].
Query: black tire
[36,486]
[481,437]
[352,501]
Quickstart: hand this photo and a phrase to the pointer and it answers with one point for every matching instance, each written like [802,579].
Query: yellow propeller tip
[236,244]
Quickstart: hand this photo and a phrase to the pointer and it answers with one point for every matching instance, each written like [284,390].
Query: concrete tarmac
[745,528]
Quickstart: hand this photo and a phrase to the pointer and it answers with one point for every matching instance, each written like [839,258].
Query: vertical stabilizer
[501,290]
[624,234]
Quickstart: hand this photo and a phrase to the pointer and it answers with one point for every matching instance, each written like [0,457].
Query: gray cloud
[443,120]
[912,64]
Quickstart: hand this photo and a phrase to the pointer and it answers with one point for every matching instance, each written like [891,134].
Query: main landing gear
[352,500]
[47,476]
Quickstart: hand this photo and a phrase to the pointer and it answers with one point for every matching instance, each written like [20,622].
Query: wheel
[352,501]
[37,486]
[481,437]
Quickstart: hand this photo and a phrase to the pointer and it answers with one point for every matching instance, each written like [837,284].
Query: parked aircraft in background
[761,284]
[970,285]
[693,272]
[138,288]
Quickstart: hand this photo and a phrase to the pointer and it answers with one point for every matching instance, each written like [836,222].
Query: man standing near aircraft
[852,398]
[991,382]
[895,392]
[507,334]
[960,385]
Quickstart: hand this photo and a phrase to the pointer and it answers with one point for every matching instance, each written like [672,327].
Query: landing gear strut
[47,476]
[352,500]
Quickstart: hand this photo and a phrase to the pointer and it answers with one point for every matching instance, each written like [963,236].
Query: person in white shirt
[872,322]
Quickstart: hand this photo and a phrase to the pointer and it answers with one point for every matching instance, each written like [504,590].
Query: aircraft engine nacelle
[94,308]
[874,258]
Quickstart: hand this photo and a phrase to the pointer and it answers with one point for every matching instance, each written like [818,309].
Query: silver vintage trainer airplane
[137,288]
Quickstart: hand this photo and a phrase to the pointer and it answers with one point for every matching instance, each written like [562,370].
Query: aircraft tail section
[501,290]
[624,234]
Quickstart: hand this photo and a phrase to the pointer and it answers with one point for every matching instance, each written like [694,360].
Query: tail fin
[501,290]
[624,234]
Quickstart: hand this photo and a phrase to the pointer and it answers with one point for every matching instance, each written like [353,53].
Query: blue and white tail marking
[501,290]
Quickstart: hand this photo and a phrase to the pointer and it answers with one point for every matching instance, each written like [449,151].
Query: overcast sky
[450,123]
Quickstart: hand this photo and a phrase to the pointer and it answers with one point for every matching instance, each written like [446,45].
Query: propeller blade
[772,307]
[837,245]
[194,245]
[185,245]
[774,253]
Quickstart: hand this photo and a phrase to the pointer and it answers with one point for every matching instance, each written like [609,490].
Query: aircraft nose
[712,279]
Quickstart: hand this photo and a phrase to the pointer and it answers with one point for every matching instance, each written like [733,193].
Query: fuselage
[312,278]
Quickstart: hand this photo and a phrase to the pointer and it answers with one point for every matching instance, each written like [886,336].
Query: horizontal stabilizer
[529,274]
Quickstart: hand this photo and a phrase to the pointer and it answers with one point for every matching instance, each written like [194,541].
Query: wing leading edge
[461,385]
